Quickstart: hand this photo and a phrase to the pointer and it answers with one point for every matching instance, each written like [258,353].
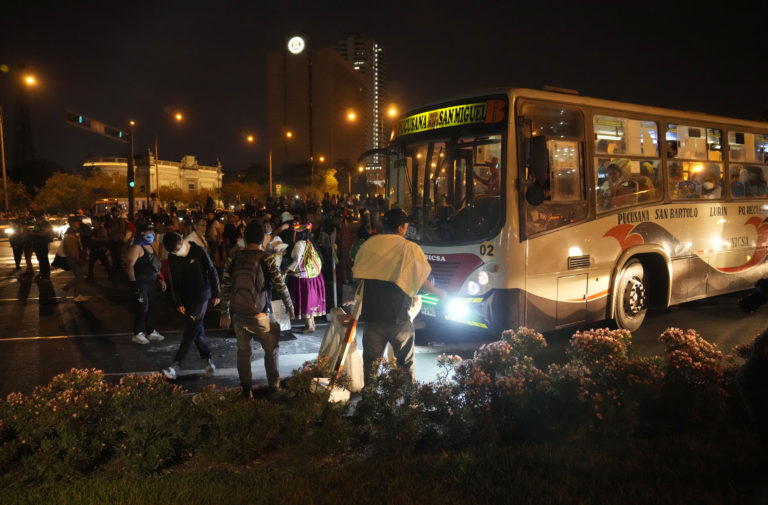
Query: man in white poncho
[393,270]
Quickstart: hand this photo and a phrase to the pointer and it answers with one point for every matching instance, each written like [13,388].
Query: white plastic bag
[333,345]
[281,316]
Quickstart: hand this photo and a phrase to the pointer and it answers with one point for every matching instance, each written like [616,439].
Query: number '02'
[486,250]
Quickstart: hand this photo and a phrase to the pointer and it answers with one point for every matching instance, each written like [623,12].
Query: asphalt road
[42,335]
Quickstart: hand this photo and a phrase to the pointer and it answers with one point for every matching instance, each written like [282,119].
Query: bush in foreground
[500,398]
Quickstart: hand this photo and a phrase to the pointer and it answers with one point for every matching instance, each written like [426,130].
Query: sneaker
[139,338]
[79,298]
[210,368]
[155,336]
[170,372]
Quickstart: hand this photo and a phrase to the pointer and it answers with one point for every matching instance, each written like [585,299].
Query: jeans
[264,329]
[400,336]
[194,331]
[144,313]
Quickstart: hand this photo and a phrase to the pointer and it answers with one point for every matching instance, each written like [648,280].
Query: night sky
[145,60]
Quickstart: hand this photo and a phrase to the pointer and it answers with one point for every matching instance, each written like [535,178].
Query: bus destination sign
[490,111]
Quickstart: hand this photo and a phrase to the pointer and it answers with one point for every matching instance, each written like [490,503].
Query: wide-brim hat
[286,217]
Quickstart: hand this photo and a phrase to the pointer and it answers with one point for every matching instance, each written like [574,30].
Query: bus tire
[631,300]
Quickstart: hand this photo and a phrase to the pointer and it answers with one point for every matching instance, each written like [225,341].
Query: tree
[18,196]
[239,192]
[63,193]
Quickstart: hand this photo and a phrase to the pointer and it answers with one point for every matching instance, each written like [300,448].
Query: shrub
[64,427]
[157,427]
[237,430]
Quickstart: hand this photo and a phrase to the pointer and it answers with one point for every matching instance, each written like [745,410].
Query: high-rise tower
[366,57]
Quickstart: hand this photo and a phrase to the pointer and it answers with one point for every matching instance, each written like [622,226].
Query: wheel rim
[634,297]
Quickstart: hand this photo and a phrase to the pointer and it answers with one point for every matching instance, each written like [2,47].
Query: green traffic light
[80,119]
[132,184]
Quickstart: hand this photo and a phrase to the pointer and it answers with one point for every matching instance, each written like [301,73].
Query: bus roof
[576,99]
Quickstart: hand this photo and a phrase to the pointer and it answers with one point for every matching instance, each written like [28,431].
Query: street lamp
[29,81]
[179,117]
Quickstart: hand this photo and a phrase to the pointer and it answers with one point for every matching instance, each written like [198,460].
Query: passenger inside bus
[749,183]
[492,181]
[611,186]
[711,186]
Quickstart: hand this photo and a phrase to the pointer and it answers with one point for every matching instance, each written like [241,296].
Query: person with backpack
[246,303]
[193,283]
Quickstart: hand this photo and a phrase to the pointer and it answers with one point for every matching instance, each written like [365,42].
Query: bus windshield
[450,186]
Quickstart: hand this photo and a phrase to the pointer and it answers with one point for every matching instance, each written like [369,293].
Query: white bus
[549,209]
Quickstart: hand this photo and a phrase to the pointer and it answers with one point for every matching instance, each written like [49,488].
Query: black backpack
[249,288]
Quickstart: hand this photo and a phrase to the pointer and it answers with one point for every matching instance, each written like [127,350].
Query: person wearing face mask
[144,274]
[710,187]
[193,282]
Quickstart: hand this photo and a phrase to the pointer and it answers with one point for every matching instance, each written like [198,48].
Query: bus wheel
[631,301]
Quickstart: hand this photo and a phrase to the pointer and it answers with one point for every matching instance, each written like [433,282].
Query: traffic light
[132,184]
[78,120]
[115,133]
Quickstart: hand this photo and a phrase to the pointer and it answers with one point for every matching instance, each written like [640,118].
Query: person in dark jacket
[193,283]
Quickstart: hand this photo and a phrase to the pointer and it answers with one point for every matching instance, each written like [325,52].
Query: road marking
[211,332]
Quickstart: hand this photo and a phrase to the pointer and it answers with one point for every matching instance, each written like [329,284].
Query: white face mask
[183,250]
[241,243]
[709,186]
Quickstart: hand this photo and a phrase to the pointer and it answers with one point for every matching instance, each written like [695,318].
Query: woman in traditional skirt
[305,284]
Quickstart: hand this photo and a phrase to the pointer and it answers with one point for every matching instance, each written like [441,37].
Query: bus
[548,209]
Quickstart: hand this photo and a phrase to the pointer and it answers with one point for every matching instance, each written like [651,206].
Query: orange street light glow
[249,138]
[30,80]
[351,116]
[360,168]
[392,111]
[322,159]
[179,117]
[288,134]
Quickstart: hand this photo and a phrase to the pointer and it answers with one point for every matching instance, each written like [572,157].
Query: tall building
[366,57]
[310,95]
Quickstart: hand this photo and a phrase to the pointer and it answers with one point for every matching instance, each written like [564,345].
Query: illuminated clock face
[296,45]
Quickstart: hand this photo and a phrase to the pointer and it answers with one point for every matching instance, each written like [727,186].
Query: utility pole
[131,175]
[2,155]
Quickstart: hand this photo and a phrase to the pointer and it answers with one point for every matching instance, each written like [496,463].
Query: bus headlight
[478,283]
[458,308]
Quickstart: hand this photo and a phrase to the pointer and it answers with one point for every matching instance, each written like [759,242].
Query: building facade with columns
[186,174]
